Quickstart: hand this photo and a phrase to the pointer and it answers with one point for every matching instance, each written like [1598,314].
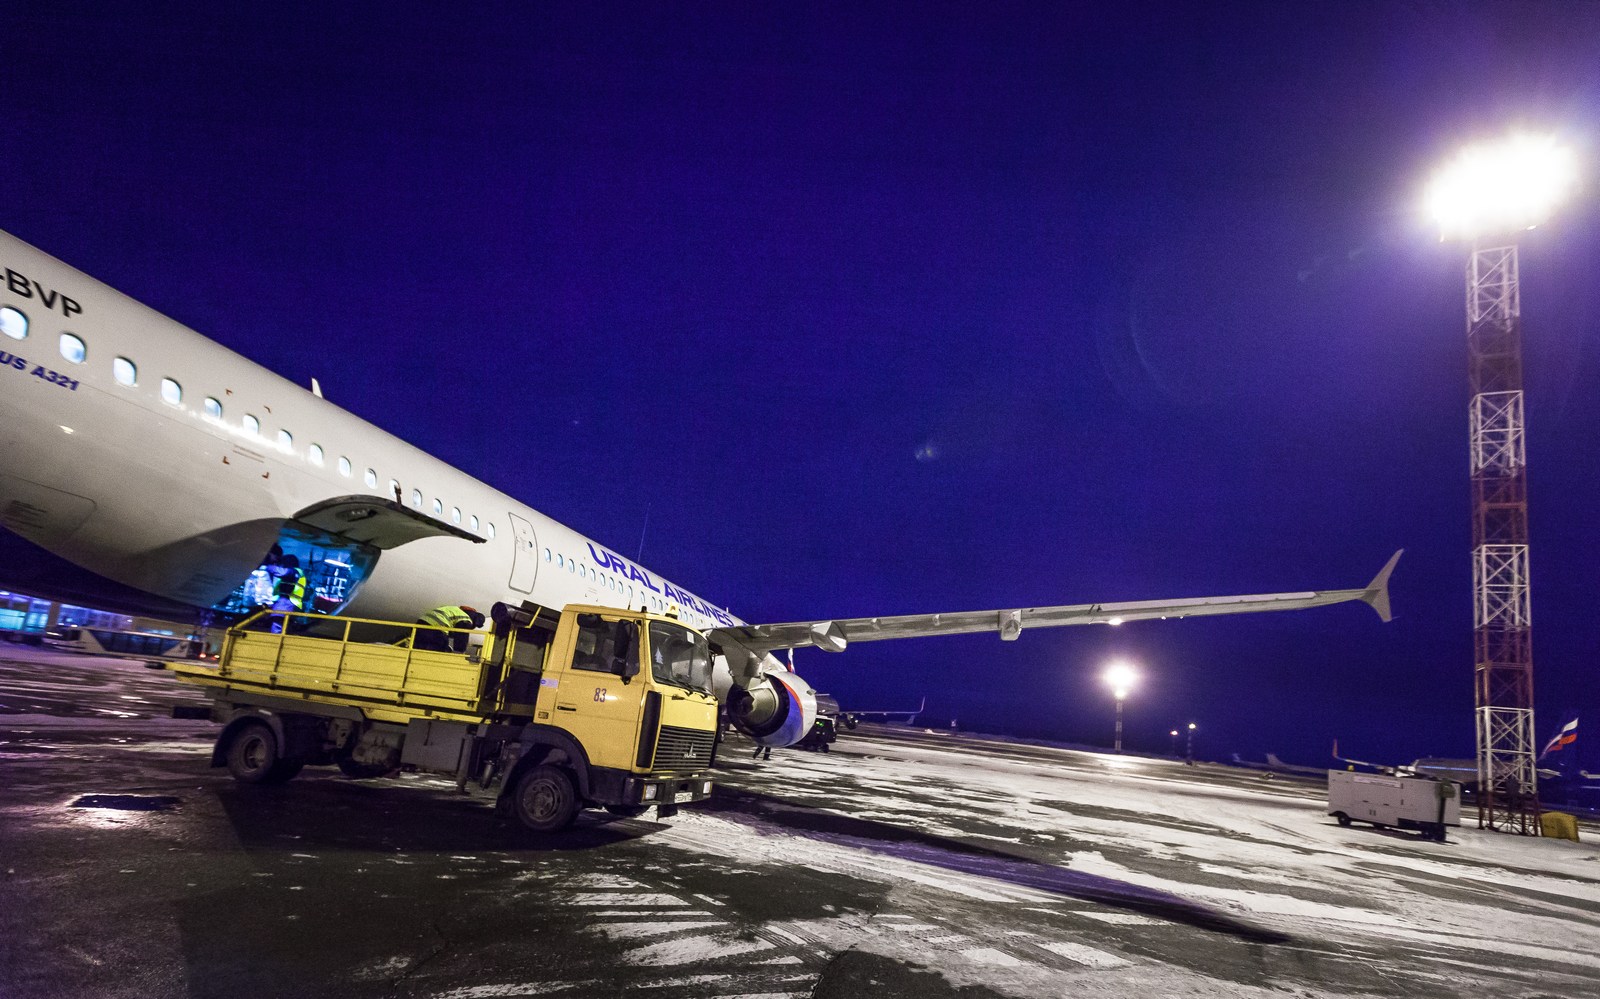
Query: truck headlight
[705,788]
[650,792]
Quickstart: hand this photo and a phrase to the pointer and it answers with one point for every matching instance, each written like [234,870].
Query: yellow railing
[400,676]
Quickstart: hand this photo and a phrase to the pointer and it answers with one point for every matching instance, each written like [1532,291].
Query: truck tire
[545,800]
[1344,819]
[253,757]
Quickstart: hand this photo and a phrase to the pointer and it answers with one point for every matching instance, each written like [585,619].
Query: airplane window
[285,440]
[572,566]
[547,554]
[213,408]
[344,466]
[73,349]
[490,526]
[394,489]
[314,452]
[416,498]
[455,515]
[372,479]
[124,371]
[171,392]
[438,507]
[561,561]
[475,528]
[252,426]
[13,323]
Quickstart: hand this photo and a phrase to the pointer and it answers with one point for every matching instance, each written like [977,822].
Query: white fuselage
[172,500]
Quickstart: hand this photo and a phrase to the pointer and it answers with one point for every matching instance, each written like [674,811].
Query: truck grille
[683,748]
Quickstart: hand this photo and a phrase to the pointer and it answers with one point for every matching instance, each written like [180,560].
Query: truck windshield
[679,656]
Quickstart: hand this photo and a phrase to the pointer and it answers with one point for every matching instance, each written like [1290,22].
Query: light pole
[1189,753]
[1174,734]
[1120,678]
[1486,195]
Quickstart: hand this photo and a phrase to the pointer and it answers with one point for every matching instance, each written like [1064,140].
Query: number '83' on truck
[545,712]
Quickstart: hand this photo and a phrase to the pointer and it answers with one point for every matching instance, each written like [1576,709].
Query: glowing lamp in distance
[1120,678]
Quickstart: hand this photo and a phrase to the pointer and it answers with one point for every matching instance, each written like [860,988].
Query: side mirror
[626,662]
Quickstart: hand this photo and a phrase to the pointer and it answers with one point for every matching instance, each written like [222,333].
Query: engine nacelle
[777,709]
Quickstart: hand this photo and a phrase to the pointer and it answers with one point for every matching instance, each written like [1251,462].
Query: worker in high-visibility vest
[446,617]
[289,590]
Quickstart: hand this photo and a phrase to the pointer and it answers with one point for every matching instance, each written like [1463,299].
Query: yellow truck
[546,712]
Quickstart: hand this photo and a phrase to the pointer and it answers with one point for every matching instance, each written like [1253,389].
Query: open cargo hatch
[381,523]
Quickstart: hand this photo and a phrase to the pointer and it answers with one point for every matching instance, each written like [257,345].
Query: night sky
[880,308]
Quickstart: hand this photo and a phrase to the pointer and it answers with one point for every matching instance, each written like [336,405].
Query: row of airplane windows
[14,324]
[610,582]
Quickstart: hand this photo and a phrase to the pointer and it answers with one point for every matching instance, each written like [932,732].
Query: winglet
[1376,594]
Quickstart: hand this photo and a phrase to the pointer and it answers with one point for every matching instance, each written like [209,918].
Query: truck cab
[633,690]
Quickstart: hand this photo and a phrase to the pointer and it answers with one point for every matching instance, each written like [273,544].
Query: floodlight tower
[1120,678]
[1484,196]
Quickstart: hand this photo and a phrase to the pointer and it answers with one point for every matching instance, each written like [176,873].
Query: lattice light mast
[1486,195]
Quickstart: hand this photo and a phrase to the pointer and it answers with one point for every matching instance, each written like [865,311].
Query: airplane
[909,716]
[147,469]
[1464,772]
[1274,765]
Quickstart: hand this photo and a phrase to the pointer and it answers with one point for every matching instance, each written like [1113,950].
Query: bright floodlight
[1120,677]
[1500,187]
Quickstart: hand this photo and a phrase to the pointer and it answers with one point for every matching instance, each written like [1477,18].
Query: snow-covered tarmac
[1152,876]
[902,864]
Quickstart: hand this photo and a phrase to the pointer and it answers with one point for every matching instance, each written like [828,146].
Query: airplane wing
[835,635]
[893,714]
[1379,767]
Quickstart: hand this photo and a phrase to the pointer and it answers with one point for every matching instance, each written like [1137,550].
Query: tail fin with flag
[1566,737]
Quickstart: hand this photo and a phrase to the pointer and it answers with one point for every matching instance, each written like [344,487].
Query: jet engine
[776,708]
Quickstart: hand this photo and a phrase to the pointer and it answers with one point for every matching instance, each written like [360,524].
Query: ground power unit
[1426,804]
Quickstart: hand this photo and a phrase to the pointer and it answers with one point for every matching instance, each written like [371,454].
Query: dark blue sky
[913,308]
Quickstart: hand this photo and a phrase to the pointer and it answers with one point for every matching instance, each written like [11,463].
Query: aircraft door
[525,560]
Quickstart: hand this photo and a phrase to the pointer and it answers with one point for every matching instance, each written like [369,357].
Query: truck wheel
[253,757]
[1344,819]
[825,748]
[545,800]
[627,811]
